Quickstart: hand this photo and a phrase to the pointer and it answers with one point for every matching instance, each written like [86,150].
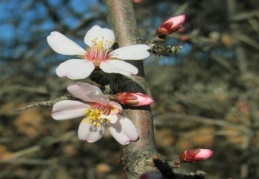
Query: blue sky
[17,17]
[10,11]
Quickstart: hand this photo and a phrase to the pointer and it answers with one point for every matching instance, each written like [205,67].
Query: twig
[164,50]
[171,118]
[28,161]
[45,103]
[246,40]
[245,15]
[36,148]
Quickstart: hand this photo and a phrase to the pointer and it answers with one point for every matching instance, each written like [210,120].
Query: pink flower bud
[195,155]
[170,25]
[137,1]
[133,99]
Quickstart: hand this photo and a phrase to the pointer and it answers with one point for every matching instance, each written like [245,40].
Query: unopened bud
[170,25]
[133,99]
[137,1]
[195,155]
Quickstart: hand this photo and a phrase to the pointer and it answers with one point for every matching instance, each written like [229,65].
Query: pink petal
[195,155]
[68,109]
[123,130]
[98,34]
[63,45]
[116,107]
[87,92]
[133,99]
[142,99]
[118,66]
[132,52]
[89,133]
[204,154]
[173,23]
[75,69]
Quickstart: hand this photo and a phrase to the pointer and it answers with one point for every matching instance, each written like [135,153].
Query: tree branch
[137,156]
[49,103]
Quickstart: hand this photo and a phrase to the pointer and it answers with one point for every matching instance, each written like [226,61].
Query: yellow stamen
[93,117]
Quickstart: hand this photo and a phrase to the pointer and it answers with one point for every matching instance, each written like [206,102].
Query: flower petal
[116,107]
[132,52]
[87,92]
[112,118]
[91,34]
[89,133]
[123,130]
[63,45]
[75,69]
[118,66]
[68,109]
[97,34]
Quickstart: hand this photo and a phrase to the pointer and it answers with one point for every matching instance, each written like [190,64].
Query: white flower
[98,111]
[97,55]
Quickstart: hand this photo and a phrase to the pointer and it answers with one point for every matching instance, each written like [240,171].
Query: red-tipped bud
[133,99]
[170,25]
[195,155]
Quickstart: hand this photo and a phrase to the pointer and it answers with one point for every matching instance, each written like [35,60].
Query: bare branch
[45,103]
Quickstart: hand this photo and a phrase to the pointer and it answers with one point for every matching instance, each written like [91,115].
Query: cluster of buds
[133,99]
[194,155]
[170,25]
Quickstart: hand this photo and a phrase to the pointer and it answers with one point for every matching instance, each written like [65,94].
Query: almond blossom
[98,54]
[98,112]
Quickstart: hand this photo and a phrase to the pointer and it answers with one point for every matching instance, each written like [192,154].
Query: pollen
[99,51]
[93,116]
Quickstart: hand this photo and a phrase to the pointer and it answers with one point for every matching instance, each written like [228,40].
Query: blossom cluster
[97,109]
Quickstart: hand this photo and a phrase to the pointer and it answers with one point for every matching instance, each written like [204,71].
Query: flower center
[99,51]
[94,114]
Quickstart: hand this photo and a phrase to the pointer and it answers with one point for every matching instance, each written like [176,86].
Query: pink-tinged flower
[195,155]
[133,99]
[97,55]
[170,25]
[98,111]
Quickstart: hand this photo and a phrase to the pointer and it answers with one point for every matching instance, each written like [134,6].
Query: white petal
[91,35]
[89,133]
[118,66]
[98,34]
[68,109]
[112,118]
[123,130]
[63,45]
[87,92]
[132,52]
[75,69]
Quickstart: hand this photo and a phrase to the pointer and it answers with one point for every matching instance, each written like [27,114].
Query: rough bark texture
[137,156]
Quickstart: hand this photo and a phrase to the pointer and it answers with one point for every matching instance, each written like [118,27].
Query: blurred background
[205,97]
